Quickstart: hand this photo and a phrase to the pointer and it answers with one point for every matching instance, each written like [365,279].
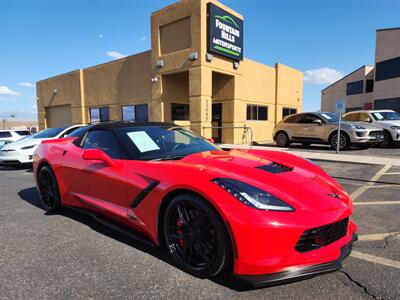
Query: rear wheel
[387,140]
[282,139]
[344,141]
[48,189]
[196,236]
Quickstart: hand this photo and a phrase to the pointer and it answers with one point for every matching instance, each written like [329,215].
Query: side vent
[275,168]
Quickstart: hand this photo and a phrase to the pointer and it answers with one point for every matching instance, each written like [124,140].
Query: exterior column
[200,102]
[156,107]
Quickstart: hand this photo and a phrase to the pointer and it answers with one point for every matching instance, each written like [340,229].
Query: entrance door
[217,122]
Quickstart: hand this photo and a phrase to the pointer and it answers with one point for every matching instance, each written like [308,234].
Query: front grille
[322,236]
[376,133]
[275,168]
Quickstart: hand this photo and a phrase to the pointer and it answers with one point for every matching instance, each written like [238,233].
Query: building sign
[225,33]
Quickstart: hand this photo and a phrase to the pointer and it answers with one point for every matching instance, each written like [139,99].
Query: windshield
[48,133]
[153,142]
[330,117]
[386,116]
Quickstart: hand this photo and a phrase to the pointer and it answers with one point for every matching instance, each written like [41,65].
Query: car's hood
[286,176]
[388,123]
[254,167]
[23,143]
[362,124]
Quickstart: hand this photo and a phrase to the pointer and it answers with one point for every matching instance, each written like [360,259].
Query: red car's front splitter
[257,281]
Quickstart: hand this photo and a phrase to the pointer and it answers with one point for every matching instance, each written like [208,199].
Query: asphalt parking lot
[70,255]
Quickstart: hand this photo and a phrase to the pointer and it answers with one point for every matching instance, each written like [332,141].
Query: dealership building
[371,87]
[195,76]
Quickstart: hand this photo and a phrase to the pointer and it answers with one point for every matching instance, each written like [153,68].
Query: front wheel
[196,236]
[48,189]
[387,140]
[282,139]
[344,141]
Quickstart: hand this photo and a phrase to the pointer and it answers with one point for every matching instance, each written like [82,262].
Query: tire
[282,139]
[344,141]
[387,140]
[196,236]
[48,189]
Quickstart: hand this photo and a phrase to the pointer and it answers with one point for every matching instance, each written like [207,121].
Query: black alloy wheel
[196,236]
[48,189]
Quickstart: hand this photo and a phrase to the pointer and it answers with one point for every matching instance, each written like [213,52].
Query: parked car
[388,120]
[13,135]
[21,151]
[214,210]
[322,128]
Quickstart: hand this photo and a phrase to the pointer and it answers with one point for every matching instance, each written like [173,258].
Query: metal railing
[246,129]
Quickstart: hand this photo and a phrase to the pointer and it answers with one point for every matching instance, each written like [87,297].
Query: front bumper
[366,136]
[299,273]
[15,157]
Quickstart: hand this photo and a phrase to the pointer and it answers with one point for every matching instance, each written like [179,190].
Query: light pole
[4,120]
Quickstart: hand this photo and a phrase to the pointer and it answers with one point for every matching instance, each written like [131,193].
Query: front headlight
[28,147]
[252,196]
[354,126]
[395,127]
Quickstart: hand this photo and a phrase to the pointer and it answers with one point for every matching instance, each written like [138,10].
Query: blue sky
[42,38]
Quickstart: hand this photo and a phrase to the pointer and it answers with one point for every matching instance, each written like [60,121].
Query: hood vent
[275,168]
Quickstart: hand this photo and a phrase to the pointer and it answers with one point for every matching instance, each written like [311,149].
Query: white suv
[9,136]
[387,119]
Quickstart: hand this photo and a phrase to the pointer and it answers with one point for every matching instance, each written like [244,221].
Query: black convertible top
[120,125]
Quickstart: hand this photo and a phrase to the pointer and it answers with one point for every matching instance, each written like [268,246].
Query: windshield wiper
[172,157]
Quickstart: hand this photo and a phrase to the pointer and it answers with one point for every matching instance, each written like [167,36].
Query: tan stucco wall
[68,92]
[387,47]
[136,79]
[337,91]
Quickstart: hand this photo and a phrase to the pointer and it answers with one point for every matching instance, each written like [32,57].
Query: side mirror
[317,121]
[99,155]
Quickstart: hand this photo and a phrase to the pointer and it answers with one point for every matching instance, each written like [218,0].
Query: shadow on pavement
[31,196]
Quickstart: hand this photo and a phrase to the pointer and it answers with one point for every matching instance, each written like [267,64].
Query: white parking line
[377,203]
[392,173]
[362,189]
[376,259]
[377,236]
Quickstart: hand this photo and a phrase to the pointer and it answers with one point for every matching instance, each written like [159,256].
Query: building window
[99,114]
[354,88]
[369,88]
[141,113]
[128,113]
[257,112]
[387,69]
[286,111]
[179,112]
[391,103]
[135,113]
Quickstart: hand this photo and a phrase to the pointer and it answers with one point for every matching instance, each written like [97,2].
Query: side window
[364,117]
[68,132]
[294,119]
[352,117]
[103,140]
[5,134]
[308,119]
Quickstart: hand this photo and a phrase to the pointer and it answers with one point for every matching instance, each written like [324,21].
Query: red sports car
[267,216]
